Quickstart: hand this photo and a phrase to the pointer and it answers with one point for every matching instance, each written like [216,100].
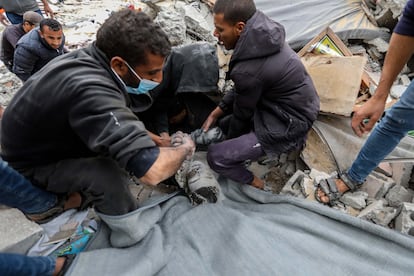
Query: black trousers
[99,180]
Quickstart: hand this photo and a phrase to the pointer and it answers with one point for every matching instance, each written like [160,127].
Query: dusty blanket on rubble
[250,233]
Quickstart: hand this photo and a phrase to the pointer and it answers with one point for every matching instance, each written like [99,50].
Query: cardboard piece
[337,81]
[338,75]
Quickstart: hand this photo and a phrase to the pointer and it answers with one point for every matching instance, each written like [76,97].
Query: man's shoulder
[30,40]
[13,30]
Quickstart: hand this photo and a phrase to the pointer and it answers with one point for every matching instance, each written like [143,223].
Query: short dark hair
[132,35]
[235,10]
[53,24]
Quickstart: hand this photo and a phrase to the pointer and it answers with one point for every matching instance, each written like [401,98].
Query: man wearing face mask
[71,127]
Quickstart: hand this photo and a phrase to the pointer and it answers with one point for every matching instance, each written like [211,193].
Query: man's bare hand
[3,19]
[48,11]
[212,118]
[366,116]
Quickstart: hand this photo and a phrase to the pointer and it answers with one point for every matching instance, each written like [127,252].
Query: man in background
[12,34]
[14,9]
[38,47]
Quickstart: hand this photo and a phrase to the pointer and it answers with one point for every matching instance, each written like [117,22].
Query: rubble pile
[387,196]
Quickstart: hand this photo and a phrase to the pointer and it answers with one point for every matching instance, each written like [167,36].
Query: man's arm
[23,63]
[3,18]
[49,12]
[399,52]
[167,164]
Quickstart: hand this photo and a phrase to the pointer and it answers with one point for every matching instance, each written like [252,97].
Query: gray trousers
[99,180]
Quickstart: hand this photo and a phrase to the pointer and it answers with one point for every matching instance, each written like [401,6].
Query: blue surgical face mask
[144,85]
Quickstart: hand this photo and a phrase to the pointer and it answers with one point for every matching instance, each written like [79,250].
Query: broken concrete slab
[401,172]
[174,26]
[17,233]
[294,186]
[397,195]
[405,222]
[379,213]
[377,185]
[356,200]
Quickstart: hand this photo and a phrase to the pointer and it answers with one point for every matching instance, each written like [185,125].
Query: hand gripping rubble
[197,180]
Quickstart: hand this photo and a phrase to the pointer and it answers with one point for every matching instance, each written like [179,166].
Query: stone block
[398,195]
[379,213]
[377,185]
[356,200]
[404,222]
[17,233]
[401,173]
[294,186]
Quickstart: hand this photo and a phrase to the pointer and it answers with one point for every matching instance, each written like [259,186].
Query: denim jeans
[18,192]
[15,18]
[385,136]
[21,265]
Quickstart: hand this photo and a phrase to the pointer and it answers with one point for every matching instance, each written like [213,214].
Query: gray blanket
[250,233]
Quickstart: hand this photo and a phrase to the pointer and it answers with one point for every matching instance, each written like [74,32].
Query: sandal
[330,189]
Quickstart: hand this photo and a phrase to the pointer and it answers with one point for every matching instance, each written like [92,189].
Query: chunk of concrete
[379,213]
[377,185]
[294,186]
[174,26]
[397,195]
[379,43]
[356,200]
[404,222]
[17,233]
[401,173]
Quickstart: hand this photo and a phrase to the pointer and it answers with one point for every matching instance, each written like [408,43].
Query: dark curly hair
[131,35]
[53,24]
[235,10]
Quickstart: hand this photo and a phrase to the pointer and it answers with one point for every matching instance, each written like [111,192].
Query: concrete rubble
[385,199]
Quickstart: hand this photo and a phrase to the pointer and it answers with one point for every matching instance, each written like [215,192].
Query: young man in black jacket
[274,101]
[71,127]
[12,34]
[36,48]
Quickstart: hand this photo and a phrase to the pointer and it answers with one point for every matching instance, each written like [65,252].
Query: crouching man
[72,127]
[274,101]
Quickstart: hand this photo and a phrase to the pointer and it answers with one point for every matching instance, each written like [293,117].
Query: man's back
[10,37]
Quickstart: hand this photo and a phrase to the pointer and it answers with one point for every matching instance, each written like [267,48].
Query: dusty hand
[366,116]
[180,139]
[211,120]
[165,140]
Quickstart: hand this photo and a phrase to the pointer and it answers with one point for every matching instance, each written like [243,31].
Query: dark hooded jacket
[32,53]
[273,94]
[74,107]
